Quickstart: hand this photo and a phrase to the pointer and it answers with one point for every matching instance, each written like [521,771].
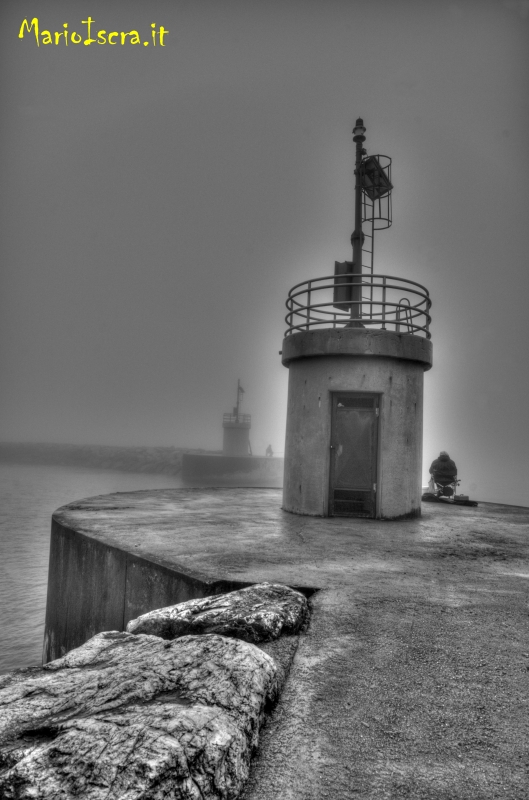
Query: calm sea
[28,497]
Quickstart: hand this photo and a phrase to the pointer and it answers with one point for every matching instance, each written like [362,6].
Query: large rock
[133,716]
[258,613]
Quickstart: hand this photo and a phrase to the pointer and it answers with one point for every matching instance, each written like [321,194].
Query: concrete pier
[216,469]
[412,677]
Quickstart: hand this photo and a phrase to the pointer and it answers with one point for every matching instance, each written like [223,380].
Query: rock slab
[135,717]
[258,613]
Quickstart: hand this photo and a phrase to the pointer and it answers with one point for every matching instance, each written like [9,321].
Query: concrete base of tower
[348,377]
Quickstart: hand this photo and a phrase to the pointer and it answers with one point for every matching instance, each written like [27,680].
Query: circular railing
[376,301]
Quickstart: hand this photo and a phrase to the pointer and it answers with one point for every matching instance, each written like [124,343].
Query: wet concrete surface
[412,678]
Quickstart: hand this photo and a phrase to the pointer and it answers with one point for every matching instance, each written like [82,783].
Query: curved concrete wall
[312,379]
[94,587]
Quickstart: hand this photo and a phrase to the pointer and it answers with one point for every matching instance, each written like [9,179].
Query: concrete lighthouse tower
[357,346]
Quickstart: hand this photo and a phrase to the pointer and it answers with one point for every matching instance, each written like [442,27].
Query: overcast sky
[159,202]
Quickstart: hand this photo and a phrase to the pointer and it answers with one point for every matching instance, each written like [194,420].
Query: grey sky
[158,204]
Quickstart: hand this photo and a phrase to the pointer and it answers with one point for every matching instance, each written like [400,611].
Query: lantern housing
[375,178]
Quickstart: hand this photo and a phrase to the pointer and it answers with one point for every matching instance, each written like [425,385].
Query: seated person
[443,469]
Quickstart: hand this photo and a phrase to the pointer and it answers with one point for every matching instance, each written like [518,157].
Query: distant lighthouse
[357,346]
[236,429]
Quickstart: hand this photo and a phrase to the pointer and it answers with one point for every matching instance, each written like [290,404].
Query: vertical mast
[238,399]
[357,236]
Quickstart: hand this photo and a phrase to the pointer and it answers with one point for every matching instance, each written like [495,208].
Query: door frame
[378,396]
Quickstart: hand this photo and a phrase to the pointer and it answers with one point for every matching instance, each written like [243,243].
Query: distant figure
[443,469]
[269,451]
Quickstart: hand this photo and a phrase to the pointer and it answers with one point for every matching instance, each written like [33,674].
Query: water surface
[29,494]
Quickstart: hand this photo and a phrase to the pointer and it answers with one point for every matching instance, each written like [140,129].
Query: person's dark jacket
[444,467]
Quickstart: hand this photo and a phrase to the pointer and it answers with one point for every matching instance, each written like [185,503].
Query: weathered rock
[132,716]
[258,613]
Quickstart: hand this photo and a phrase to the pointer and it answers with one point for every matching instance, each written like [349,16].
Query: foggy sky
[159,202]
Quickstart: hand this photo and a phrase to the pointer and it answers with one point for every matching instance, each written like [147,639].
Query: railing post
[308,305]
[356,294]
[383,302]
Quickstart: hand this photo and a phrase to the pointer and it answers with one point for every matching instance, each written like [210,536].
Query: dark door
[354,434]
